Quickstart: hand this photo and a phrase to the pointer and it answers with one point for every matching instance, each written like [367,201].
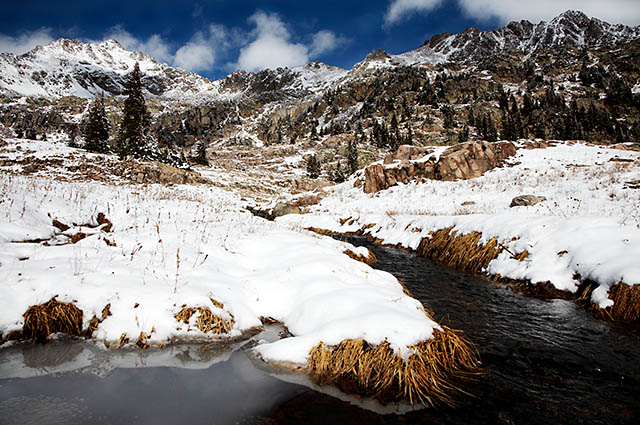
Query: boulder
[377,177]
[463,161]
[526,200]
[282,208]
[472,159]
[406,152]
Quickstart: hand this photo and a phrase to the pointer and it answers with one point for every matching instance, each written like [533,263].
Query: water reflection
[83,384]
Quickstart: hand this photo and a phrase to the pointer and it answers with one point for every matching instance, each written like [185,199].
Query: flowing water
[543,362]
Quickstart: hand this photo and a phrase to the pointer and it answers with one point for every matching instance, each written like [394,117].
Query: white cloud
[324,41]
[154,45]
[197,55]
[401,9]
[613,11]
[272,46]
[25,41]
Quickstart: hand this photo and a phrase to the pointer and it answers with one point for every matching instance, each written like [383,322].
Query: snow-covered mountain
[570,29]
[73,68]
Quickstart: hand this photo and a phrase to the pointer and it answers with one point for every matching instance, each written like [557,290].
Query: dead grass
[206,321]
[42,320]
[430,375]
[405,290]
[626,302]
[320,231]
[369,259]
[461,252]
[95,322]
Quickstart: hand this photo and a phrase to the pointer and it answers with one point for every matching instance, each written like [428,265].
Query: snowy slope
[570,29]
[73,68]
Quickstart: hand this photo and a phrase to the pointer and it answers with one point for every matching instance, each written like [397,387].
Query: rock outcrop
[526,200]
[464,161]
[470,160]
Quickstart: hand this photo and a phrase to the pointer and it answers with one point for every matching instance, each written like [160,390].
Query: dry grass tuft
[522,256]
[42,320]
[320,231]
[461,252]
[207,322]
[626,302]
[430,375]
[94,322]
[369,260]
[405,290]
[142,342]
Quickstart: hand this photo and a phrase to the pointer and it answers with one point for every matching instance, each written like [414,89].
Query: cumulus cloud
[613,11]
[199,54]
[324,41]
[25,41]
[155,45]
[272,47]
[402,9]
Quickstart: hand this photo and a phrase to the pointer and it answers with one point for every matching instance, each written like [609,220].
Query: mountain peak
[569,29]
[68,67]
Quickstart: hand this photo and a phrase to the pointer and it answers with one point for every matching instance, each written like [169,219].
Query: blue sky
[214,38]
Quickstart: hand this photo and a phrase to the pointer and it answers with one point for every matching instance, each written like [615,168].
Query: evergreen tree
[314,168]
[337,175]
[448,117]
[135,118]
[463,135]
[96,133]
[352,156]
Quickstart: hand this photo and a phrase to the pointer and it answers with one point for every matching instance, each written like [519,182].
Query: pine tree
[135,118]
[463,135]
[314,168]
[96,133]
[352,156]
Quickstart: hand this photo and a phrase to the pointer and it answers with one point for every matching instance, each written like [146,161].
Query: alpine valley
[511,154]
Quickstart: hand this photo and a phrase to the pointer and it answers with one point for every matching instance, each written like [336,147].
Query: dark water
[544,362]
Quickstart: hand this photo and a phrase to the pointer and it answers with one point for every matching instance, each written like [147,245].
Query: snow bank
[184,246]
[589,227]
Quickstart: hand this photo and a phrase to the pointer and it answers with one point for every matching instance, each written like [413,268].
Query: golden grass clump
[461,252]
[42,320]
[369,259]
[320,231]
[405,290]
[430,375]
[626,302]
[207,322]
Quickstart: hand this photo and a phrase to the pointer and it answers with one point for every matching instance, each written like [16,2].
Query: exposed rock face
[283,209]
[470,160]
[162,173]
[464,161]
[378,177]
[571,28]
[406,152]
[526,200]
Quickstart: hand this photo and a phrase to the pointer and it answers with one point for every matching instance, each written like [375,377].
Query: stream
[542,361]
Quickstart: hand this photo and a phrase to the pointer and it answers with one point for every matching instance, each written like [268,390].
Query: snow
[178,246]
[589,226]
[68,67]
